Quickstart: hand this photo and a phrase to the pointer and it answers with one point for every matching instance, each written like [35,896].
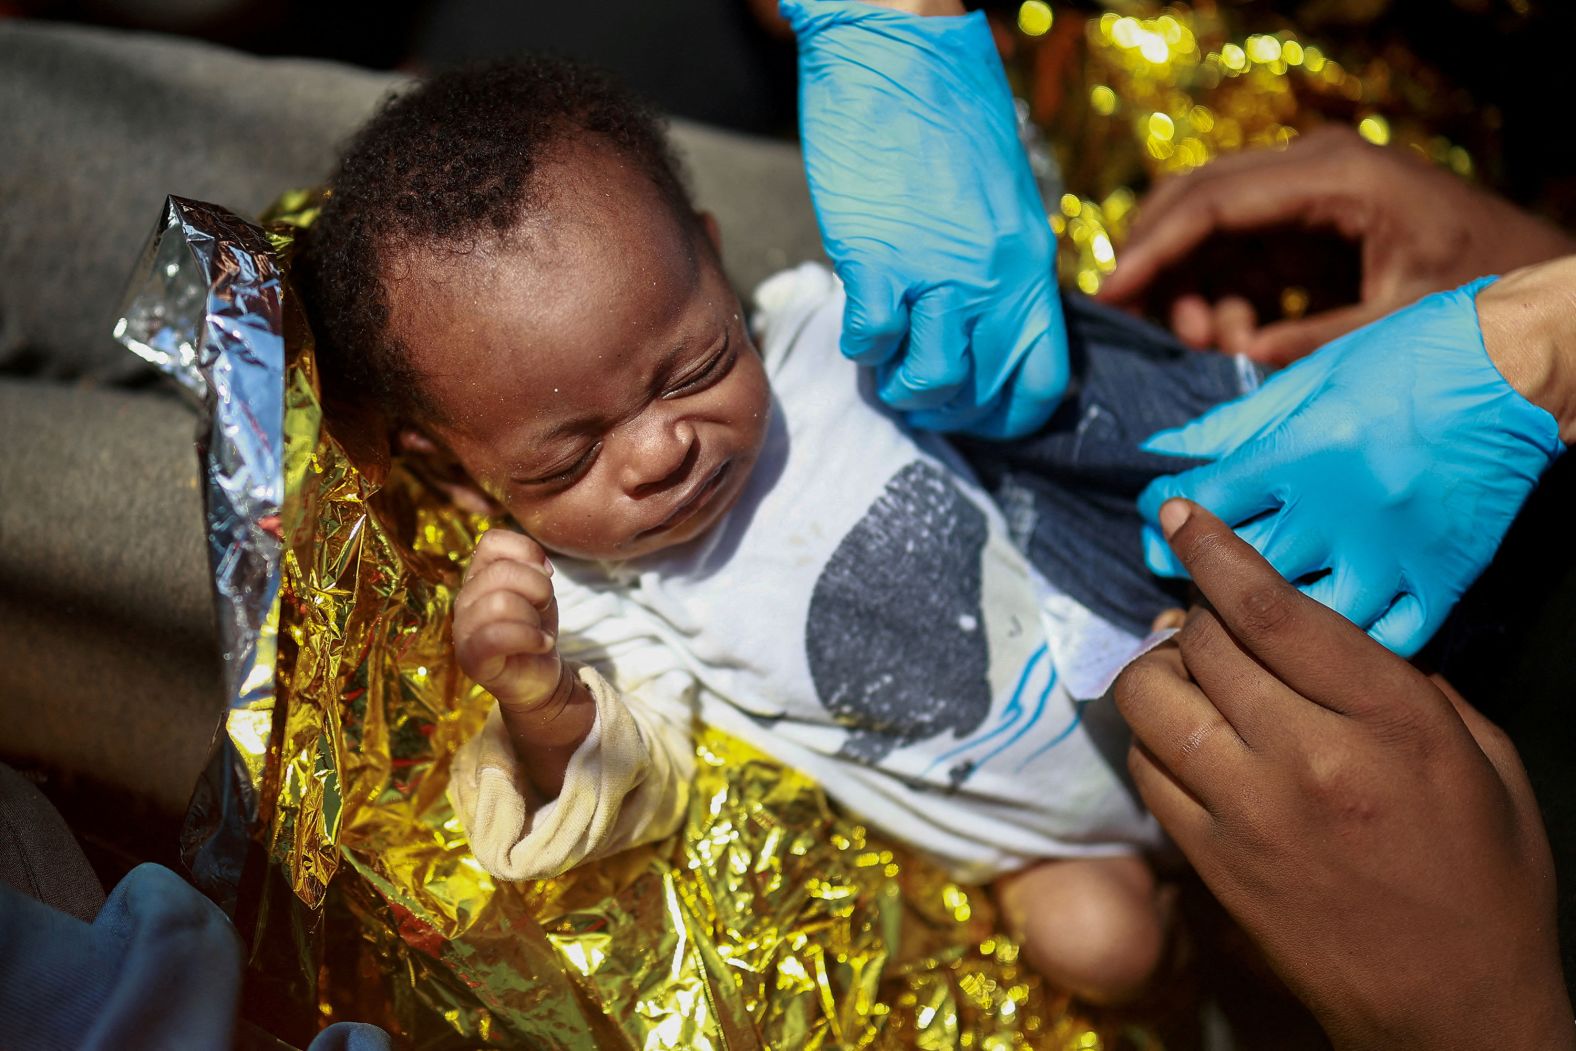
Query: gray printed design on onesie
[895,634]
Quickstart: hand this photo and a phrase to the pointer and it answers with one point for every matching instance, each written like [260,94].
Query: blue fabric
[1069,490]
[351,1036]
[159,967]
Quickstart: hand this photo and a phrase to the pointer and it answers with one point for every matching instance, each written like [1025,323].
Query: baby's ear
[414,442]
[438,467]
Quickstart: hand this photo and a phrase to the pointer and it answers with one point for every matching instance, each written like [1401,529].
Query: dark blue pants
[1069,490]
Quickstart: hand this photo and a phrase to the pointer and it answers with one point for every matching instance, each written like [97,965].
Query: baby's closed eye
[713,368]
[564,470]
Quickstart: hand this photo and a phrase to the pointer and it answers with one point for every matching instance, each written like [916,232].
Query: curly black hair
[451,161]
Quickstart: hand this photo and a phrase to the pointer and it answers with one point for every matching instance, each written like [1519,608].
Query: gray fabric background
[107,662]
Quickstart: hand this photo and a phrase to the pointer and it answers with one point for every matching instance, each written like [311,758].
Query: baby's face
[597,376]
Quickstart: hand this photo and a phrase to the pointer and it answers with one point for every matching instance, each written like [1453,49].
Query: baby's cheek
[535,518]
[572,524]
[757,395]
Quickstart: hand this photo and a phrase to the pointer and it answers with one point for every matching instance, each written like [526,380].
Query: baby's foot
[1095,927]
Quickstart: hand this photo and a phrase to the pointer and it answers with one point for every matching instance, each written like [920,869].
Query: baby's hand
[506,622]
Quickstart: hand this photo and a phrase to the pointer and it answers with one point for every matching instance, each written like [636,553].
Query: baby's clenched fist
[506,622]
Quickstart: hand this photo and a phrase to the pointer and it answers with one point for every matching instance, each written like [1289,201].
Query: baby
[742,535]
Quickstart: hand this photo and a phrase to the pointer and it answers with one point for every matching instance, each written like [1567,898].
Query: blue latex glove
[1395,457]
[931,216]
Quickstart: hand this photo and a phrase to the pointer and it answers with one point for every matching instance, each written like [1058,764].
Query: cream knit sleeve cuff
[627,784]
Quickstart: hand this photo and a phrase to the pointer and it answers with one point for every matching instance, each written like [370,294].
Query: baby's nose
[660,453]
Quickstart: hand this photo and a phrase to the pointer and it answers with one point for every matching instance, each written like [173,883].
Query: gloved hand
[931,216]
[1396,457]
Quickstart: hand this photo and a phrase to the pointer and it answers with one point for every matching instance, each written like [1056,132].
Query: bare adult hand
[1421,229]
[1366,826]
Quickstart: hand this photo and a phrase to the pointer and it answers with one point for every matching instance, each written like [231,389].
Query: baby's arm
[564,770]
[506,638]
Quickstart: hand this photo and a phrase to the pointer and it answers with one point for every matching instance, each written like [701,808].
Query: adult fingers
[960,416]
[1162,199]
[1175,721]
[1321,146]
[1159,557]
[1271,189]
[875,319]
[1235,488]
[1294,553]
[1030,395]
[935,362]
[1404,628]
[1228,427]
[1232,327]
[1258,707]
[1314,651]
[1282,342]
[1235,323]
[1193,321]
[1041,376]
[1362,593]
[1178,729]
[1184,818]
[1321,590]
[1496,747]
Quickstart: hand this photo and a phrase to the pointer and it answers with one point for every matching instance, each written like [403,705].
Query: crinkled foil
[205,308]
[769,921]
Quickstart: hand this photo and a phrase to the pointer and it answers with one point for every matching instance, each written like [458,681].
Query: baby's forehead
[587,205]
[598,275]
[587,190]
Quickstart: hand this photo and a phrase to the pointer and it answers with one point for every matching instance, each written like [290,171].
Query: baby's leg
[1091,926]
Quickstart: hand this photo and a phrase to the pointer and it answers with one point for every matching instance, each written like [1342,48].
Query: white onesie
[860,614]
